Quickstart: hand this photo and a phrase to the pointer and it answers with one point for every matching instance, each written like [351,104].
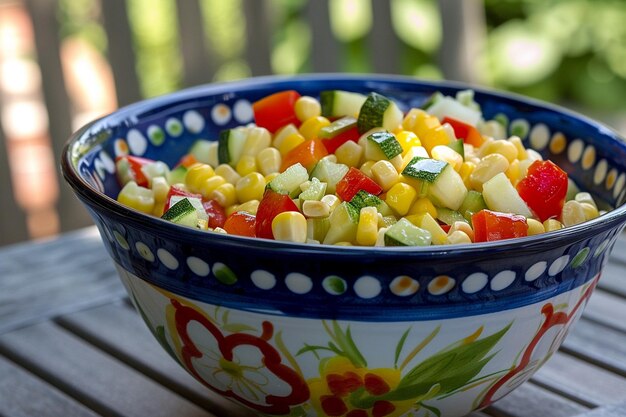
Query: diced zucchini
[344,221]
[449,107]
[405,233]
[155,169]
[457,146]
[196,202]
[427,222]
[365,199]
[338,103]
[379,111]
[448,190]
[177,175]
[449,217]
[572,190]
[123,172]
[473,203]
[425,169]
[500,195]
[288,182]
[317,228]
[337,127]
[382,145]
[183,212]
[205,151]
[329,172]
[230,146]
[315,191]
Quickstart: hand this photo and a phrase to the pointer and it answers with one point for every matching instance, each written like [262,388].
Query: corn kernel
[331,200]
[228,173]
[231,209]
[250,206]
[160,189]
[573,213]
[552,224]
[423,205]
[535,227]
[449,155]
[591,211]
[366,168]
[290,143]
[458,237]
[268,161]
[307,107]
[258,139]
[400,198]
[367,229]
[513,172]
[521,151]
[466,170]
[246,165]
[270,177]
[283,133]
[315,209]
[463,227]
[159,209]
[210,184]
[350,153]
[196,175]
[502,147]
[224,194]
[250,187]
[488,167]
[136,197]
[385,174]
[583,197]
[434,137]
[407,140]
[290,226]
[311,126]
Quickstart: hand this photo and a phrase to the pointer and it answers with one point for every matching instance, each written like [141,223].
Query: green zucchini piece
[450,217]
[337,127]
[378,111]
[288,182]
[230,145]
[338,103]
[448,189]
[473,203]
[316,190]
[382,145]
[316,228]
[364,199]
[344,221]
[457,146]
[177,175]
[405,233]
[425,169]
[329,172]
[182,212]
[202,149]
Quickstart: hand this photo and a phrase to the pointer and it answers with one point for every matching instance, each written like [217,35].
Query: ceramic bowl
[292,329]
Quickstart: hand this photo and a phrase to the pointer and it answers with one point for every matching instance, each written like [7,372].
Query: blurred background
[65,62]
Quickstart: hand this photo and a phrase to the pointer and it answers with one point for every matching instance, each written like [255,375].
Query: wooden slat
[618,410]
[41,280]
[613,277]
[95,378]
[119,330]
[18,389]
[581,381]
[120,51]
[324,46]
[382,40]
[529,400]
[199,63]
[46,28]
[607,309]
[259,35]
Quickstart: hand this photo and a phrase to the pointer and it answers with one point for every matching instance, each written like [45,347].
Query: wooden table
[71,345]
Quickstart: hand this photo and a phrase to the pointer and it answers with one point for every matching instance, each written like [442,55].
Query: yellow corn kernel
[307,107]
[268,161]
[246,165]
[466,170]
[449,155]
[521,151]
[591,211]
[367,229]
[311,126]
[228,173]
[400,198]
[231,209]
[458,237]
[385,174]
[315,209]
[488,167]
[423,205]
[583,197]
[250,206]
[513,172]
[350,154]
[366,168]
[250,187]
[419,122]
[160,189]
[331,200]
[258,139]
[573,213]
[434,137]
[412,153]
[552,224]
[535,227]
[407,140]
[159,209]
[502,147]
[270,177]
[136,197]
[343,244]
[224,194]
[210,184]
[290,143]
[283,133]
[290,226]
[196,175]
[463,227]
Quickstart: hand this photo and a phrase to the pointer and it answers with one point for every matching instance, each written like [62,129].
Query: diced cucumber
[123,172]
[572,190]
[316,228]
[382,145]
[196,202]
[500,195]
[155,169]
[338,103]
[427,222]
[448,189]
[432,99]
[183,212]
[405,233]
[288,182]
[379,111]
[344,221]
[337,127]
[457,146]
[177,175]
[365,199]
[473,203]
[230,146]
[329,172]
[449,217]
[205,151]
[425,169]
[315,191]
[449,107]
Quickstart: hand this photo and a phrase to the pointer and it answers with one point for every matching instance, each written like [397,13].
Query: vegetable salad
[353,169]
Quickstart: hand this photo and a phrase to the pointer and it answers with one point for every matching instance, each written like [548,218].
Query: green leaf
[225,316]
[312,348]
[434,410]
[347,346]
[399,347]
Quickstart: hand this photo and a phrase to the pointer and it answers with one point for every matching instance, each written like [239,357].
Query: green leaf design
[399,347]
[312,348]
[434,410]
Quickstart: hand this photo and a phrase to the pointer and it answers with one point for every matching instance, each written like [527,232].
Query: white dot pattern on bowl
[263,279]
[619,185]
[120,147]
[221,114]
[474,282]
[403,286]
[558,143]
[144,251]
[137,143]
[611,177]
[121,240]
[367,287]
[600,173]
[502,280]
[441,285]
[242,110]
[298,283]
[575,150]
[535,271]
[167,259]
[539,136]
[109,163]
[589,157]
[193,121]
[558,265]
[98,165]
[198,266]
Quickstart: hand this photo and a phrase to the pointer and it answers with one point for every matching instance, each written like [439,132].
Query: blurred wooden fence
[462,22]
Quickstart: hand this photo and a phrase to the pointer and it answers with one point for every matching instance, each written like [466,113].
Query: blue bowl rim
[128,113]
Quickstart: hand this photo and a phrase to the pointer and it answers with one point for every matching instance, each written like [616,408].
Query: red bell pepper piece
[241,223]
[308,153]
[174,190]
[217,215]
[187,161]
[544,189]
[468,133]
[271,205]
[276,110]
[135,163]
[333,143]
[355,181]
[492,225]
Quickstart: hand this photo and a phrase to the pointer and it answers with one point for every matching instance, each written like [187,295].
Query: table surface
[71,345]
